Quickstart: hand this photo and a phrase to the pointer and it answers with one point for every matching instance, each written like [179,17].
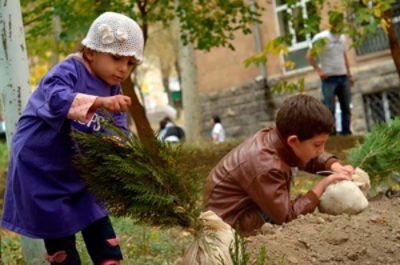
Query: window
[379,41]
[381,106]
[291,23]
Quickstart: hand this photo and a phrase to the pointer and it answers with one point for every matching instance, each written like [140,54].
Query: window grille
[379,41]
[381,106]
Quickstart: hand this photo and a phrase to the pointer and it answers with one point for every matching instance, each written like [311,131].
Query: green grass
[143,244]
[140,244]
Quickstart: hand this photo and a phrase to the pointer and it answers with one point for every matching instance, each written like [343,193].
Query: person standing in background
[334,71]
[2,127]
[218,132]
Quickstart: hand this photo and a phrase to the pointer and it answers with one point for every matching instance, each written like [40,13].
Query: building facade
[242,96]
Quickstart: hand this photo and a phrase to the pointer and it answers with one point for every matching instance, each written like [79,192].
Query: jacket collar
[284,151]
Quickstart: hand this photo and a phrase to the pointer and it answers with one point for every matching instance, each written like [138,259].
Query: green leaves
[285,86]
[318,46]
[366,18]
[211,24]
[206,24]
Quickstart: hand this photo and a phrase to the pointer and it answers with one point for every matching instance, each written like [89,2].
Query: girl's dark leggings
[101,243]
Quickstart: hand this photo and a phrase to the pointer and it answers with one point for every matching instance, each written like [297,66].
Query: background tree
[204,24]
[162,47]
[15,89]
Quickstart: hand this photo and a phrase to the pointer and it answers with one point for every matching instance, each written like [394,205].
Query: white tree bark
[56,23]
[15,88]
[190,94]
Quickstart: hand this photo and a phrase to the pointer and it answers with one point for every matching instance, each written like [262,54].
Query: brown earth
[371,237]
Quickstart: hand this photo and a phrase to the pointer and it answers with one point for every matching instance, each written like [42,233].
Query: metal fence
[381,106]
[380,42]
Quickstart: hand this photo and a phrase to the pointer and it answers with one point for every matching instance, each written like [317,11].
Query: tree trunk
[15,90]
[56,23]
[393,41]
[187,71]
[190,97]
[138,113]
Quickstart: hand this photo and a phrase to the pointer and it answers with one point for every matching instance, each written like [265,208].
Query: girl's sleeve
[80,108]
[120,121]
[57,89]
[60,100]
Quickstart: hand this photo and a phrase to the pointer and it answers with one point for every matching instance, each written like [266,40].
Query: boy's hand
[339,169]
[320,187]
[338,177]
[118,103]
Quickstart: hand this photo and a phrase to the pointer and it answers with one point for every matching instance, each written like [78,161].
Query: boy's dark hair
[305,117]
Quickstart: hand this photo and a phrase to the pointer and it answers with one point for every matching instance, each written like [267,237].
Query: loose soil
[371,237]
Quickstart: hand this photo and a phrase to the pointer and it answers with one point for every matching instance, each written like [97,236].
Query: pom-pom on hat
[116,34]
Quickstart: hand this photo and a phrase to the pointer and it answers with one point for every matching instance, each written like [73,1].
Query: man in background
[334,70]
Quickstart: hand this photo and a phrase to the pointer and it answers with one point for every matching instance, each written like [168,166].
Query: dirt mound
[371,237]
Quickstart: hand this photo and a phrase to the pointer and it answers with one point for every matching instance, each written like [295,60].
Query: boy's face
[110,68]
[310,148]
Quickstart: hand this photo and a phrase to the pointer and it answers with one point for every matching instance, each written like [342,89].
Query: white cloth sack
[212,244]
[346,196]
[361,179]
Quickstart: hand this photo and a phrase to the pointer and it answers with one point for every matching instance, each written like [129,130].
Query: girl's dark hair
[164,122]
[167,119]
[83,50]
[305,117]
[216,119]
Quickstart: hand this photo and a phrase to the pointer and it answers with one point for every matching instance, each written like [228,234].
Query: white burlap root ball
[346,196]
[212,244]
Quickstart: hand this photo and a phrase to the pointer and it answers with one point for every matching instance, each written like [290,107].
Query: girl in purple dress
[45,196]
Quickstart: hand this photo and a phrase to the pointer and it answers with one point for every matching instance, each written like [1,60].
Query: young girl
[45,196]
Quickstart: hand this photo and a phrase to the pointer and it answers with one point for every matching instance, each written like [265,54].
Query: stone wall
[247,108]
[243,109]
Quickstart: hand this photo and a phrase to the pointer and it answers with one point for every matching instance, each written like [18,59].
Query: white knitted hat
[116,34]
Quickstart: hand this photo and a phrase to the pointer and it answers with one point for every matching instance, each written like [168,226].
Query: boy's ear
[292,140]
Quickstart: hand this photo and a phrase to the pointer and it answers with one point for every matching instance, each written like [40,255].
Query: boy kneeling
[251,184]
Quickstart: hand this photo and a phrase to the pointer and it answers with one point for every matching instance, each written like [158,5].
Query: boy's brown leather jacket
[255,178]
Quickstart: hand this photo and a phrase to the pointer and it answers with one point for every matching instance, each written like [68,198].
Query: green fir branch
[379,154]
[133,182]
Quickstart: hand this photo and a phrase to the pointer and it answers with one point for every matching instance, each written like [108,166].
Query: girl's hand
[118,103]
[346,170]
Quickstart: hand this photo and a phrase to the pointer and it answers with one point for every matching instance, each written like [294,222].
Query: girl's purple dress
[45,197]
